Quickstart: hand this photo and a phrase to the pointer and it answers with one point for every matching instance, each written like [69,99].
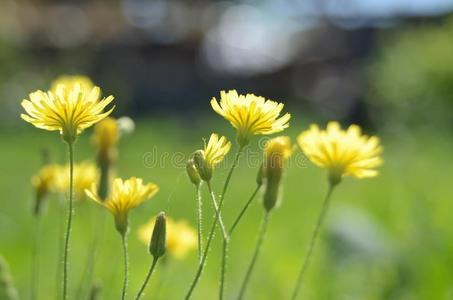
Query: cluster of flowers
[73,105]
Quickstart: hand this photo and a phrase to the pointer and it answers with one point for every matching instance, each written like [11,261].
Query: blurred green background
[386,65]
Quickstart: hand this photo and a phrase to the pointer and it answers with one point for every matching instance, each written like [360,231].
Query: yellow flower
[44,183]
[181,237]
[69,110]
[105,137]
[342,152]
[70,81]
[125,195]
[85,175]
[276,152]
[213,153]
[250,114]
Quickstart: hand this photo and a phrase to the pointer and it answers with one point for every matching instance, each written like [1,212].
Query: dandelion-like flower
[125,195]
[181,237]
[70,81]
[250,114]
[68,110]
[85,175]
[44,183]
[212,154]
[342,152]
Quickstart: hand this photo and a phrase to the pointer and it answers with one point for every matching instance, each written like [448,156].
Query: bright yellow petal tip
[342,152]
[250,114]
[212,154]
[181,237]
[68,109]
[125,195]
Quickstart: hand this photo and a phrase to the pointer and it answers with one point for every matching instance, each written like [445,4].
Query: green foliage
[411,78]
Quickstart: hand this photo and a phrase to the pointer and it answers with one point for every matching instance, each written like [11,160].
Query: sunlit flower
[85,175]
[68,110]
[212,154]
[181,237]
[44,183]
[70,81]
[125,195]
[342,152]
[276,151]
[105,138]
[250,114]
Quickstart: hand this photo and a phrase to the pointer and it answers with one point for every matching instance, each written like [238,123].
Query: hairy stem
[199,222]
[126,265]
[216,207]
[226,242]
[148,276]
[69,222]
[311,246]
[213,227]
[261,235]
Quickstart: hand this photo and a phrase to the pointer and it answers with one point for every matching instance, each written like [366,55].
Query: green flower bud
[260,176]
[271,194]
[158,244]
[204,169]
[192,172]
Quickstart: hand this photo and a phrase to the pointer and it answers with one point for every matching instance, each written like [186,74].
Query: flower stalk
[126,265]
[69,221]
[311,246]
[259,243]
[213,226]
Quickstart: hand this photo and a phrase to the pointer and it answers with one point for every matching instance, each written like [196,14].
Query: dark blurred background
[375,62]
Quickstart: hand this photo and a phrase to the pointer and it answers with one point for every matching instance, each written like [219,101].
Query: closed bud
[259,176]
[276,152]
[271,194]
[192,172]
[203,168]
[158,244]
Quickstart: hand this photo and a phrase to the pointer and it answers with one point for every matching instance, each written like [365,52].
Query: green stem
[226,242]
[87,275]
[261,235]
[311,246]
[244,209]
[214,224]
[35,258]
[69,222]
[148,276]
[126,265]
[216,207]
[199,221]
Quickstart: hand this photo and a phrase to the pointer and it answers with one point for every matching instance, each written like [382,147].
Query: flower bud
[158,244]
[260,176]
[192,172]
[203,168]
[276,151]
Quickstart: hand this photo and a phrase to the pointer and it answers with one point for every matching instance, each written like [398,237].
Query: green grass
[385,238]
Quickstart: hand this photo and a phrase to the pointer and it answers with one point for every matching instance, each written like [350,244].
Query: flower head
[85,175]
[105,138]
[125,195]
[70,81]
[342,152]
[181,237]
[276,152]
[44,183]
[212,154]
[250,114]
[69,110]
